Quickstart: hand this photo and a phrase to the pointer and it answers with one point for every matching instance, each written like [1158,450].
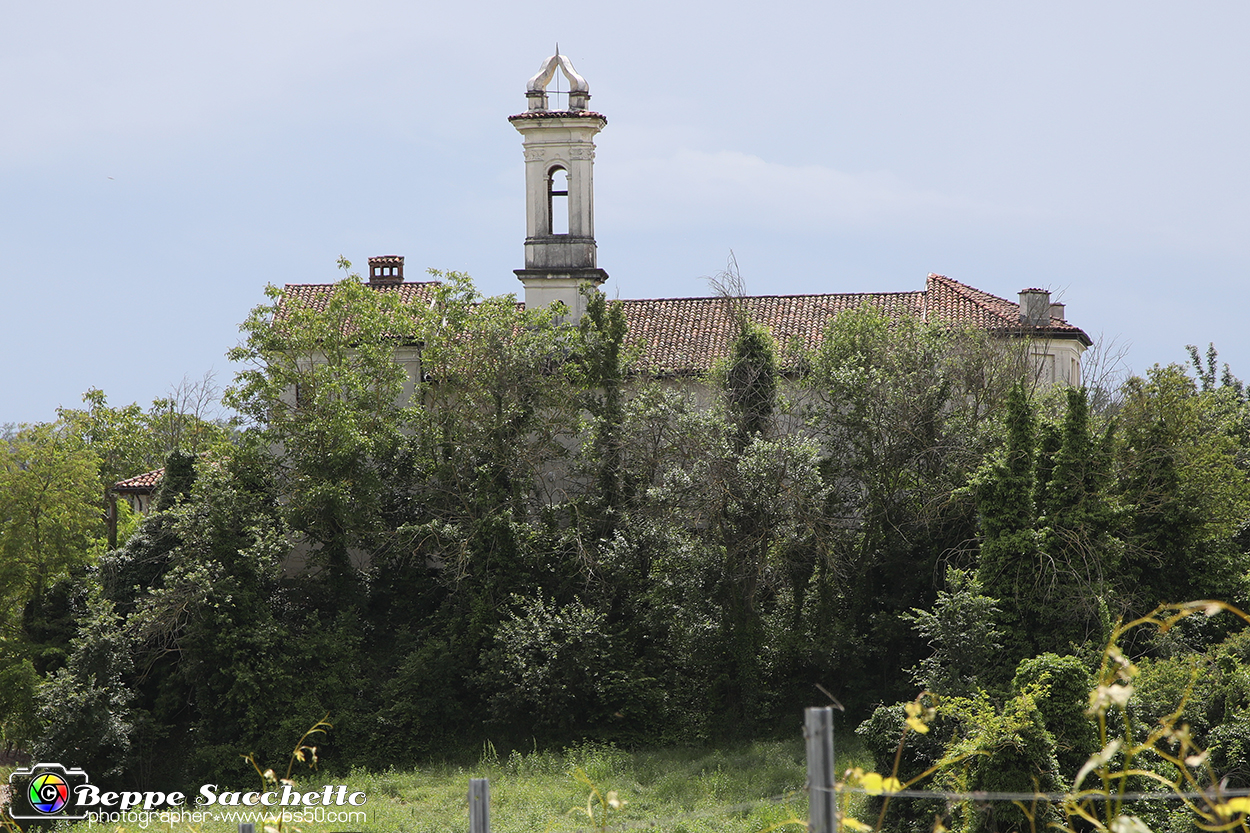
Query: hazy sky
[160,162]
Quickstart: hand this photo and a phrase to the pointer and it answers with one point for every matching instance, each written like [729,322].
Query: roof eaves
[140,483]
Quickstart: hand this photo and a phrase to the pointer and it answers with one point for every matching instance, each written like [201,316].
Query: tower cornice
[562,115]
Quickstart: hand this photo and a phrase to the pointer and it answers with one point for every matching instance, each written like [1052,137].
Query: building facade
[681,336]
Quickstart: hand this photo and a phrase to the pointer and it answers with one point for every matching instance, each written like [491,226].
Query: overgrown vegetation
[531,542]
[1112,751]
[738,788]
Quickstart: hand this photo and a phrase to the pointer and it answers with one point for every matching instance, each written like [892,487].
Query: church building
[687,335]
[684,336]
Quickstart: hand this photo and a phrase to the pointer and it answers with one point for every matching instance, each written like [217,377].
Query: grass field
[745,788]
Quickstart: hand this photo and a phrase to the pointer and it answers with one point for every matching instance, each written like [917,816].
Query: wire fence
[937,795]
[666,822]
[822,793]
[651,824]
[1086,795]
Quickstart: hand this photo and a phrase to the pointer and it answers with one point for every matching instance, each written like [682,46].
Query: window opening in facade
[558,201]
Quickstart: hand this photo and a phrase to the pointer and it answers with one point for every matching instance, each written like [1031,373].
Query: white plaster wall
[1056,361]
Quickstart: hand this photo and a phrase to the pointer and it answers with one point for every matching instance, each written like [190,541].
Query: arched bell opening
[558,200]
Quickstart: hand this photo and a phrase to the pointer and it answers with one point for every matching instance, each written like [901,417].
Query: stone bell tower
[559,147]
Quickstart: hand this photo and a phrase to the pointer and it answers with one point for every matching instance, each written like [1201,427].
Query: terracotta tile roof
[687,335]
[317,295]
[950,300]
[140,483]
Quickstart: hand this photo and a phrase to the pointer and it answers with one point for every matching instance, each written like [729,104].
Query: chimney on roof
[1035,307]
[386,269]
[1056,310]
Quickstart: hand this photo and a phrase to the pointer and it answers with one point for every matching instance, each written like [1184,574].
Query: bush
[1062,686]
[882,733]
[1001,750]
[962,630]
[84,707]
[556,672]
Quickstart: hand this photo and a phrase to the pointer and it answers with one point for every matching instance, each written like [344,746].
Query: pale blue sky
[160,162]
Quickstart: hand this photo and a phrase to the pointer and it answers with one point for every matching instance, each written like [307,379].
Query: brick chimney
[386,269]
[1035,307]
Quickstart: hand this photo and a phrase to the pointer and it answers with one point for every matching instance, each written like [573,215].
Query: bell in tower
[559,147]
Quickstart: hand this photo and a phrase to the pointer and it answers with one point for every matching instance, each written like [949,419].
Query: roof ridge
[968,289]
[366,283]
[970,293]
[750,297]
[146,479]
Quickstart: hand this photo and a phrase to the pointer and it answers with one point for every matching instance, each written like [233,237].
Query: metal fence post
[822,800]
[479,805]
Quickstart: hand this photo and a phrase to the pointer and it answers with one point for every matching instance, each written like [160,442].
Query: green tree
[1049,525]
[119,436]
[323,395]
[181,658]
[1079,535]
[752,495]
[1010,561]
[745,522]
[904,411]
[85,707]
[963,631]
[1183,480]
[493,426]
[50,521]
[602,333]
[128,440]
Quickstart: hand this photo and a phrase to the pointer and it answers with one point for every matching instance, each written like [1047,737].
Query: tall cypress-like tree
[750,396]
[1047,522]
[602,332]
[1008,563]
[1078,534]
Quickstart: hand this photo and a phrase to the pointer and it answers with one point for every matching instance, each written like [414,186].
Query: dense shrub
[1060,687]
